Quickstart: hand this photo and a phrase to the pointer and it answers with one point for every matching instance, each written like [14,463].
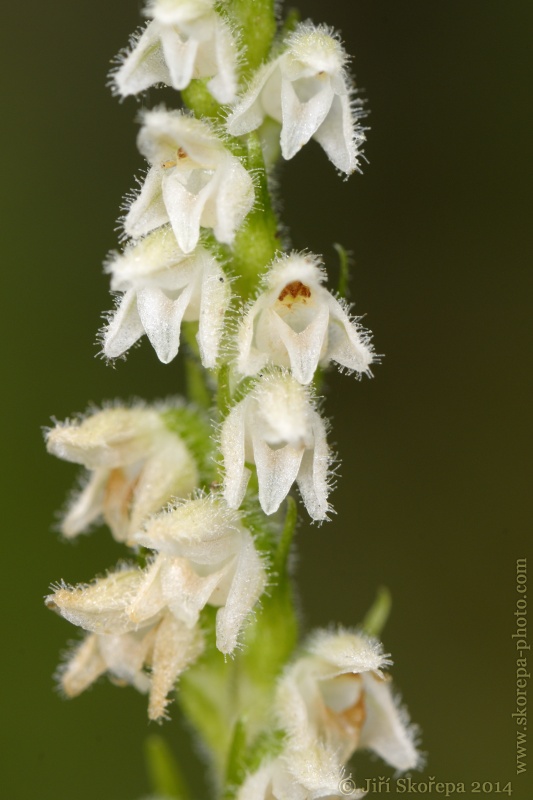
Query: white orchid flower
[118,646]
[193,181]
[205,556]
[185,39]
[310,774]
[295,322]
[137,466]
[307,90]
[277,428]
[338,693]
[161,286]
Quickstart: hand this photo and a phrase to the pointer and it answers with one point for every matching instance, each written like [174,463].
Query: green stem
[257,241]
[257,22]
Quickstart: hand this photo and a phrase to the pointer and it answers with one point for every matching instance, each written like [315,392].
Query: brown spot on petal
[180,154]
[296,290]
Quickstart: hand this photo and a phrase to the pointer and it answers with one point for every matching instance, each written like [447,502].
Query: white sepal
[175,647]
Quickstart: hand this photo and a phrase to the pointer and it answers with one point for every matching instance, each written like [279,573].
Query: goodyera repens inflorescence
[198,490]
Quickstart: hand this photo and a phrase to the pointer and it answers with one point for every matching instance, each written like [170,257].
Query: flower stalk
[200,491]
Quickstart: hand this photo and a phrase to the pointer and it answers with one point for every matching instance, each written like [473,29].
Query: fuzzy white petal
[101,606]
[170,472]
[246,587]
[313,475]
[185,207]
[124,328]
[343,651]
[304,349]
[175,648]
[232,447]
[143,66]
[215,298]
[223,86]
[386,730]
[249,112]
[109,438]
[161,319]
[179,55]
[87,505]
[348,344]
[148,210]
[305,117]
[83,668]
[337,136]
[276,472]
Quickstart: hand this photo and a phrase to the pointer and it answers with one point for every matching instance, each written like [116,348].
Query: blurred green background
[435,450]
